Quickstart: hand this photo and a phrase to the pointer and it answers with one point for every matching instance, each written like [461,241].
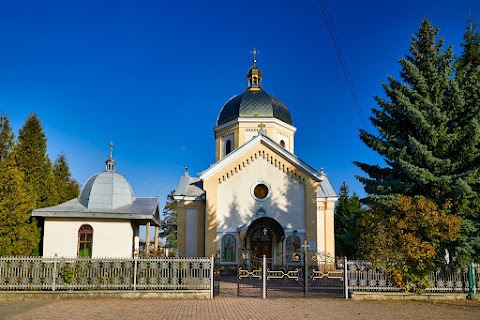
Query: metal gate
[250,274]
[296,275]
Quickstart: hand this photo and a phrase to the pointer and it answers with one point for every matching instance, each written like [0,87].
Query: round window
[261,191]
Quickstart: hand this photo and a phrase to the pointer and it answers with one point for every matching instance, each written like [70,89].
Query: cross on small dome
[110,163]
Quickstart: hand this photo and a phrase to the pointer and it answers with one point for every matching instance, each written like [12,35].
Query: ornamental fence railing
[38,273]
[364,276]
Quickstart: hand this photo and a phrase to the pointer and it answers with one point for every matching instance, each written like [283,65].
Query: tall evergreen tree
[33,161]
[67,187]
[412,123]
[419,131]
[6,138]
[168,228]
[347,211]
[466,151]
[19,234]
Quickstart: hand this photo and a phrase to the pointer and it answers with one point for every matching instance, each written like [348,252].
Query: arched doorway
[263,235]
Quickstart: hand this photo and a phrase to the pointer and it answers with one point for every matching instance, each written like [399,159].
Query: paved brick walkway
[237,308]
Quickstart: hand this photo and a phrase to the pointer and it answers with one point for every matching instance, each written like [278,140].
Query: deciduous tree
[405,237]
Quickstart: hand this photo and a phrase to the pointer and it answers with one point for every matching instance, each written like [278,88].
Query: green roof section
[257,104]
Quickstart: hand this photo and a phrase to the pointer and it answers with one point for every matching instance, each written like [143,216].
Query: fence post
[54,275]
[305,268]
[345,276]
[212,261]
[135,261]
[264,277]
[239,256]
[471,281]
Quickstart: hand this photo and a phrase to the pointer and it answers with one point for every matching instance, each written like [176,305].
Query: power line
[343,63]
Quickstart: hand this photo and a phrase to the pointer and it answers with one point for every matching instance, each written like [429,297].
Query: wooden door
[260,248]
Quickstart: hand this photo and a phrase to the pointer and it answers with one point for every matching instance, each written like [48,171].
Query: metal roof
[144,209]
[250,104]
[326,190]
[189,187]
[106,190]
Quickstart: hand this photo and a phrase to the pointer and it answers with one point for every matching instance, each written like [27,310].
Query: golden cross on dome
[254,52]
[261,125]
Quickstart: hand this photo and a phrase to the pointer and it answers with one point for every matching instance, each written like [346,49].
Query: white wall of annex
[236,205]
[110,238]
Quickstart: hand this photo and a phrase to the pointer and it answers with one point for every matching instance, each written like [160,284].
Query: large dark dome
[251,104]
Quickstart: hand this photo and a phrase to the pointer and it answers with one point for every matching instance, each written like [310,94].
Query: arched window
[228,147]
[229,248]
[85,241]
[293,248]
[282,143]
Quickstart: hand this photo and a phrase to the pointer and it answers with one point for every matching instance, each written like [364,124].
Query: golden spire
[254,75]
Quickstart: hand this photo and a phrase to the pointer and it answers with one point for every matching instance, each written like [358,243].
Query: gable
[261,147]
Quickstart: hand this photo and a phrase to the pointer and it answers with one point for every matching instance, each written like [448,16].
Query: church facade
[258,196]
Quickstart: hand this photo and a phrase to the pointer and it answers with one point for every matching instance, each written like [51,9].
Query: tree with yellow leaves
[404,236]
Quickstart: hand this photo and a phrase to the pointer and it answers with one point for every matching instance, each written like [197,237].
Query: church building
[258,195]
[102,222]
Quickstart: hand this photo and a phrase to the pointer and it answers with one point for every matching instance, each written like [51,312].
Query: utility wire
[344,65]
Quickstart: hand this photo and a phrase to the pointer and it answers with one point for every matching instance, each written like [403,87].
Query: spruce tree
[466,152]
[347,211]
[67,187]
[168,228]
[420,132]
[412,123]
[33,161]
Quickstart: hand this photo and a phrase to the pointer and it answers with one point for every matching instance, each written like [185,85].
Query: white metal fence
[37,273]
[363,276]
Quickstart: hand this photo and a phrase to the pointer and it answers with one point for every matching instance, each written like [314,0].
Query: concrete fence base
[37,295]
[407,296]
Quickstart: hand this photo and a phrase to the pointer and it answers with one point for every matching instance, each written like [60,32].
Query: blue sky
[152,76]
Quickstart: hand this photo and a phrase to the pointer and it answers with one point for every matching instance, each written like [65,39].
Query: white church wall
[236,205]
[110,238]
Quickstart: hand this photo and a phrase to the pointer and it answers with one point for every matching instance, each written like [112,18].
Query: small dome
[251,104]
[106,190]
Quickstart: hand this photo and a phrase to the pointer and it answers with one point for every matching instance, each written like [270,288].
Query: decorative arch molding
[270,224]
[276,161]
